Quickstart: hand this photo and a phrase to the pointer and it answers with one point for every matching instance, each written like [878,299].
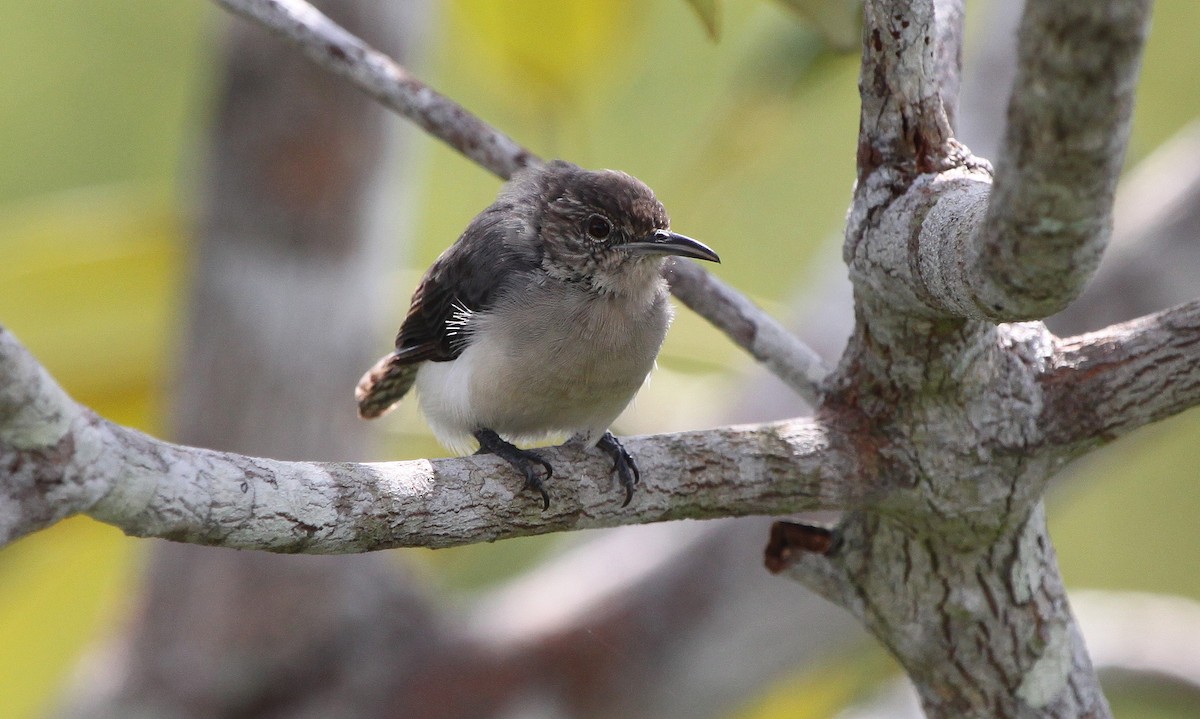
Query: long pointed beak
[662,242]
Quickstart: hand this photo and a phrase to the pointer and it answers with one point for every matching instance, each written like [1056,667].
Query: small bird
[544,318]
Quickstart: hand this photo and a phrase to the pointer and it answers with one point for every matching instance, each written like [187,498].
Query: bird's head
[605,229]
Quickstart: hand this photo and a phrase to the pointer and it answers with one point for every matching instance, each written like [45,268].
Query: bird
[543,319]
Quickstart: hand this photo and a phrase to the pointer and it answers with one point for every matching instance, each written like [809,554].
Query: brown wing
[466,279]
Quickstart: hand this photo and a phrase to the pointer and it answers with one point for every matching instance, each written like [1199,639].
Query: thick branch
[1105,384]
[911,56]
[1145,637]
[332,47]
[952,244]
[1068,126]
[61,459]
[983,632]
[908,162]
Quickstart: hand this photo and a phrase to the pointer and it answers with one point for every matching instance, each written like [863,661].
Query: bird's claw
[624,466]
[522,460]
[532,480]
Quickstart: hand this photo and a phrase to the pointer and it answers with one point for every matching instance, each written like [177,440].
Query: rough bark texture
[1068,125]
[936,435]
[152,488]
[1154,255]
[964,444]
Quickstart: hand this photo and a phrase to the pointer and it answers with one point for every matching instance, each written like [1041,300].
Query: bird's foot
[623,464]
[523,460]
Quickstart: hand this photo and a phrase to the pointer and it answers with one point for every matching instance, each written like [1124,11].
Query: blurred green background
[748,140]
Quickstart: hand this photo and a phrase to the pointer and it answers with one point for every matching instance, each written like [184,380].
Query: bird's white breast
[546,361]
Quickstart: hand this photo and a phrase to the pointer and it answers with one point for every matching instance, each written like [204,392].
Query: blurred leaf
[708,11]
[99,92]
[57,589]
[839,22]
[825,688]
[545,47]
[89,283]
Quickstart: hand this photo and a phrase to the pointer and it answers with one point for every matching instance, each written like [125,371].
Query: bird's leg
[623,464]
[522,460]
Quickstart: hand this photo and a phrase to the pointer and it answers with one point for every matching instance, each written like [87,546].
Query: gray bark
[965,436]
[151,488]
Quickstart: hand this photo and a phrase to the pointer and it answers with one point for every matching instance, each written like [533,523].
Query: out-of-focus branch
[332,47]
[668,604]
[1068,125]
[1105,384]
[1155,635]
[66,460]
[1152,261]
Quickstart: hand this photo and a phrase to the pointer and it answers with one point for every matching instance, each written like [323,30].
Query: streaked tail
[385,384]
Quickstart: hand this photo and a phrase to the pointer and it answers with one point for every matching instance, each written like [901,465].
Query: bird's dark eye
[598,227]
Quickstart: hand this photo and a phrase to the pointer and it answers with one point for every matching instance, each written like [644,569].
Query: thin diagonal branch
[1068,126]
[755,331]
[1105,384]
[62,459]
[332,47]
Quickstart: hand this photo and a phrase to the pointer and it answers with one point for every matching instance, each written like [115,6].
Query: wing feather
[463,281]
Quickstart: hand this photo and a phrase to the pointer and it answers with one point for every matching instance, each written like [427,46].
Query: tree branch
[951,243]
[765,338]
[62,459]
[909,47]
[982,631]
[910,167]
[332,47]
[1068,126]
[1145,637]
[1105,384]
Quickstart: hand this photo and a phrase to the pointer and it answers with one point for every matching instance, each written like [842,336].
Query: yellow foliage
[544,47]
[90,283]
